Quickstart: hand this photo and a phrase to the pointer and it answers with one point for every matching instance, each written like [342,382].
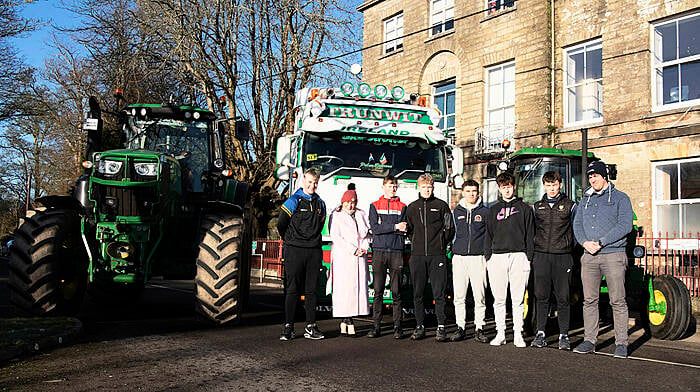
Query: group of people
[498,245]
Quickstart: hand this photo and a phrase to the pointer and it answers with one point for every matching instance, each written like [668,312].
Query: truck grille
[130,201]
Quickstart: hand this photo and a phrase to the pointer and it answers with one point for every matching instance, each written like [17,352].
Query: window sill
[386,55]
[581,125]
[499,13]
[674,108]
[440,35]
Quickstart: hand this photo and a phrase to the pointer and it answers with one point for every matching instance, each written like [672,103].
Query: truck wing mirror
[457,181]
[283,155]
[457,161]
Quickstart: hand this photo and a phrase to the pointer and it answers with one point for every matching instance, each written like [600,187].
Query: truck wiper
[409,171]
[531,172]
[337,170]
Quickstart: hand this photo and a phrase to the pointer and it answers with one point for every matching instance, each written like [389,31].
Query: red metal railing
[267,257]
[671,254]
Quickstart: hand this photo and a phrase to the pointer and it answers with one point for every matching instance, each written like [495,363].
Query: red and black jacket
[384,214]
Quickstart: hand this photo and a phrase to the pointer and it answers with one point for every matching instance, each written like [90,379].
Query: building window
[444,99]
[498,5]
[442,15]
[393,33]
[676,63]
[676,198]
[583,83]
[500,95]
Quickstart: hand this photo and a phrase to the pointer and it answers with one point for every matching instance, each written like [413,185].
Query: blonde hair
[313,173]
[426,178]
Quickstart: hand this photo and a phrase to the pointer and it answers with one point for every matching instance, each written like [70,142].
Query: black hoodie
[430,226]
[510,228]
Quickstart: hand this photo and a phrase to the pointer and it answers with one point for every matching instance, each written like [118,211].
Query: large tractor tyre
[220,267]
[48,263]
[672,292]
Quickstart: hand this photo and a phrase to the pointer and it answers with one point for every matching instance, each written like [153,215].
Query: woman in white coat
[350,274]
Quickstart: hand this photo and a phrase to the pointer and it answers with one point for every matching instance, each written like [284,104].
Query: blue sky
[35,46]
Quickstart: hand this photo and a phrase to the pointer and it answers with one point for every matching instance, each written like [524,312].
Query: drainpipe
[584,158]
[552,105]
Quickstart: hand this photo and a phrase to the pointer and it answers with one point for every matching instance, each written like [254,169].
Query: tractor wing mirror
[242,131]
[457,161]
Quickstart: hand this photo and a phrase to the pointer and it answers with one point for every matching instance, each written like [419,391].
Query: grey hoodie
[604,217]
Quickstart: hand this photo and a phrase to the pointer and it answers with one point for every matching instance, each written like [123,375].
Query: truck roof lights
[347,88]
[380,91]
[397,92]
[364,90]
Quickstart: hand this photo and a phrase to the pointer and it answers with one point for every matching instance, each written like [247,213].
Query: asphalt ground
[158,344]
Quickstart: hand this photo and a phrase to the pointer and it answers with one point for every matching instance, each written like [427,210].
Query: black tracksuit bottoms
[435,268]
[552,269]
[301,270]
[381,260]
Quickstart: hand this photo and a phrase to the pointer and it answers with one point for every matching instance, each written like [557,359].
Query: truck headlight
[146,168]
[109,167]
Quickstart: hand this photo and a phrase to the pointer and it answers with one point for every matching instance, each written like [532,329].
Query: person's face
[425,189]
[552,188]
[506,191]
[470,194]
[309,184]
[349,206]
[389,189]
[597,181]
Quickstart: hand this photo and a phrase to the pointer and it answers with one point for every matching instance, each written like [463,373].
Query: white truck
[359,134]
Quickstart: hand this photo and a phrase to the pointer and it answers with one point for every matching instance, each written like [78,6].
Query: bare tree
[256,54]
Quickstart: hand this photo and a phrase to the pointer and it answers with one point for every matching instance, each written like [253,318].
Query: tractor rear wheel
[221,286]
[48,263]
[674,322]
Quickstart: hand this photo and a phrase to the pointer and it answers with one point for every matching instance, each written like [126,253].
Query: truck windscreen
[373,156]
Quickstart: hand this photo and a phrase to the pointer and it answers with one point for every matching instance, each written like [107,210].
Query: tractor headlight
[146,168]
[109,167]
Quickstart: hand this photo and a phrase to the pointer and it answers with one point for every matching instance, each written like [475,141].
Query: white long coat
[350,274]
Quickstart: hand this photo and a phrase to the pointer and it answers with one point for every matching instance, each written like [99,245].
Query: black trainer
[312,332]
[398,331]
[440,334]
[418,333]
[458,335]
[480,336]
[287,332]
[539,340]
[375,332]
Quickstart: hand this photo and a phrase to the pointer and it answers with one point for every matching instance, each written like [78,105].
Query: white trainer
[499,340]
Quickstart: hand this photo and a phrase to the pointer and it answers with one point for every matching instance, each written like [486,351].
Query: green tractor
[663,302]
[162,205]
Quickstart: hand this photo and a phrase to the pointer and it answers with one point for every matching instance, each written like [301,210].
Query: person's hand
[401,226]
[359,252]
[592,247]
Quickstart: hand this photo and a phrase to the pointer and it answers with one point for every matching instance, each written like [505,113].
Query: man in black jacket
[431,229]
[468,262]
[509,249]
[552,262]
[300,224]
[387,219]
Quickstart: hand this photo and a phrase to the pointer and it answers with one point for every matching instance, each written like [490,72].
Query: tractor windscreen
[373,156]
[187,142]
[528,177]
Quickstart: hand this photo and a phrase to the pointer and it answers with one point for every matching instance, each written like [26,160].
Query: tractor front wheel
[670,324]
[221,286]
[48,263]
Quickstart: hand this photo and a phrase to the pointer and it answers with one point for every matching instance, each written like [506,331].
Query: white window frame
[655,203]
[583,47]
[503,106]
[441,13]
[393,36]
[443,113]
[657,65]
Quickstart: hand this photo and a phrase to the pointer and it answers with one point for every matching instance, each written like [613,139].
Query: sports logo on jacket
[506,212]
[477,218]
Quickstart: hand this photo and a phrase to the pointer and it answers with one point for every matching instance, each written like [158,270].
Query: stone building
[537,72]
